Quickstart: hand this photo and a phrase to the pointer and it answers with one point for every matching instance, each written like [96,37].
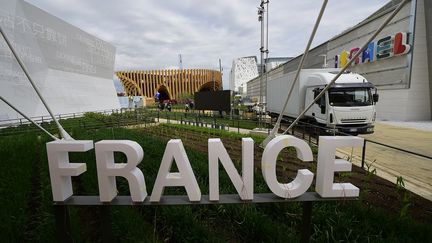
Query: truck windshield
[350,97]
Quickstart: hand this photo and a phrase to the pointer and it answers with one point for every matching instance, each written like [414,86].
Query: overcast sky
[151,34]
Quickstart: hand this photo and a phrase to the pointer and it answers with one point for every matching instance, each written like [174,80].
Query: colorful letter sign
[386,47]
[400,44]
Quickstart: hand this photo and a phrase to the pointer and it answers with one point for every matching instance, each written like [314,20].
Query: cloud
[151,34]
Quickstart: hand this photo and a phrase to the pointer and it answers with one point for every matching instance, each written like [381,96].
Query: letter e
[327,165]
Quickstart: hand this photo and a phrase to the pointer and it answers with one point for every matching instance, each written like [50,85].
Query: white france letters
[61,170]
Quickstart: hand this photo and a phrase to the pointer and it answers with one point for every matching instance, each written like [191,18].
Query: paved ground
[231,129]
[390,163]
[419,125]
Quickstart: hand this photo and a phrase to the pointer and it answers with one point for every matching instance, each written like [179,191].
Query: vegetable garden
[385,212]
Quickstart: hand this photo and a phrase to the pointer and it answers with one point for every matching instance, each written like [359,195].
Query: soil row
[375,191]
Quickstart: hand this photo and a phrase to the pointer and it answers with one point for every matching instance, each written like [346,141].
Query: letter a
[175,151]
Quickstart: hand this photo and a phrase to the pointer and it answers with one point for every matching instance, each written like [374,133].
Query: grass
[24,192]
[24,179]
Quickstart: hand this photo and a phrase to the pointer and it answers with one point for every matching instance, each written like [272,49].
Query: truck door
[319,109]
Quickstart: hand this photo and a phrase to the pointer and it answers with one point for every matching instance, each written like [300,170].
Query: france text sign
[61,169]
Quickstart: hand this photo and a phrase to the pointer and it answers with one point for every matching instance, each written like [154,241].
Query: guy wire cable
[276,126]
[62,132]
[26,117]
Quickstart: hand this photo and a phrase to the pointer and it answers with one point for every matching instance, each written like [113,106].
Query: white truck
[348,106]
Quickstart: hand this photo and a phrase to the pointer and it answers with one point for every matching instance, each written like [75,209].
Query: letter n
[243,185]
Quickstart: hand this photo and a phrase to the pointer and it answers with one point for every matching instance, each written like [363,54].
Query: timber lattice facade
[170,83]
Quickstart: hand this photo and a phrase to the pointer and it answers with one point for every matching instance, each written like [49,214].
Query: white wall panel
[72,68]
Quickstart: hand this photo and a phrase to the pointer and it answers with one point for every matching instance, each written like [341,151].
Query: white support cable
[62,132]
[276,127]
[347,65]
[28,118]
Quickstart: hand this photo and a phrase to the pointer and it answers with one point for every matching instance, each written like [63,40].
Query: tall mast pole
[263,49]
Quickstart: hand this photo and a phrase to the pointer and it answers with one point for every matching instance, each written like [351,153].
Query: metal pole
[317,22]
[62,132]
[264,104]
[363,154]
[261,11]
[28,118]
[306,221]
[106,221]
[348,64]
[62,221]
[214,82]
[220,70]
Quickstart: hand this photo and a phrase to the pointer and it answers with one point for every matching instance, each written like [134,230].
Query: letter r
[107,169]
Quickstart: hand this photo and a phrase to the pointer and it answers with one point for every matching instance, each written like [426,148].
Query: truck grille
[353,120]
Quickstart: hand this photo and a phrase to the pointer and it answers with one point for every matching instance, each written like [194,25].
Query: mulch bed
[375,191]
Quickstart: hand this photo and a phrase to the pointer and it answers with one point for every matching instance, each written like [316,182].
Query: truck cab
[348,106]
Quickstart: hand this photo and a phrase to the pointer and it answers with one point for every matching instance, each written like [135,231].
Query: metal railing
[131,116]
[48,118]
[388,146]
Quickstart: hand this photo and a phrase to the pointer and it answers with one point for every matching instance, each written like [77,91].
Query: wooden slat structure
[170,83]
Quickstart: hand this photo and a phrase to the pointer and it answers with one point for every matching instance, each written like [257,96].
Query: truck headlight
[370,129]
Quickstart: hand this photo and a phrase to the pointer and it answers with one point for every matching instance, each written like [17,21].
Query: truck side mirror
[375,98]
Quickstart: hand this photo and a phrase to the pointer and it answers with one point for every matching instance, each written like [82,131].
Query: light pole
[262,9]
[220,70]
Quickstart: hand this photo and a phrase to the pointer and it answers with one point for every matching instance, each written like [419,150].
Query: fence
[93,120]
[47,118]
[390,162]
[372,152]
[131,116]
[309,132]
[396,165]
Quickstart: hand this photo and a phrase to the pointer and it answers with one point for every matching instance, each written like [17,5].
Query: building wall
[413,102]
[403,82]
[175,82]
[314,60]
[243,69]
[72,69]
[418,105]
[274,62]
[390,73]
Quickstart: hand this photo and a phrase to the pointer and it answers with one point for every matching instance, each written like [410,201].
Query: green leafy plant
[404,194]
